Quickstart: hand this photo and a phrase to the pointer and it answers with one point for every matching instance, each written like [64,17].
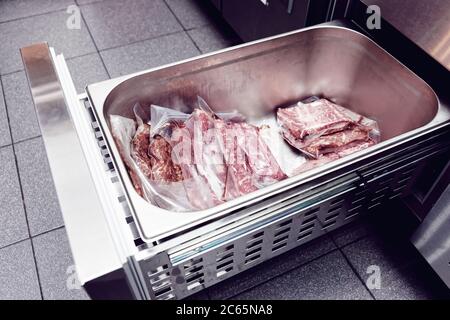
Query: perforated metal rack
[175,272]
[186,269]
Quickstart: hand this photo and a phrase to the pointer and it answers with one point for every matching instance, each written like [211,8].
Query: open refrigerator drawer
[116,234]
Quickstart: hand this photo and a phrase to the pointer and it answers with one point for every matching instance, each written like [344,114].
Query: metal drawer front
[184,272]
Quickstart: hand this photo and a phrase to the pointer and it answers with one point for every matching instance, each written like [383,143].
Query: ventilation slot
[159,293]
[329,224]
[254,244]
[387,181]
[280,239]
[337,202]
[308,220]
[252,255]
[359,200]
[160,281]
[404,181]
[332,217]
[158,270]
[194,273]
[225,260]
[408,172]
[334,210]
[361,192]
[284,223]
[254,247]
[399,189]
[353,212]
[374,205]
[311,212]
[385,189]
[195,280]
[305,232]
[378,198]
[159,277]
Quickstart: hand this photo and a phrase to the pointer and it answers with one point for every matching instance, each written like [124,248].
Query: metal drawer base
[175,274]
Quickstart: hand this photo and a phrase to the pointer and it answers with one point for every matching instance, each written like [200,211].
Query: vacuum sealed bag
[186,162]
[320,127]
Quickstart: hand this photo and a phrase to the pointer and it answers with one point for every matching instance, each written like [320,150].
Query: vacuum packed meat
[195,161]
[322,127]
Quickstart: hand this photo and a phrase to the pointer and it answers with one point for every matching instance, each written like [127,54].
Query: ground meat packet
[166,195]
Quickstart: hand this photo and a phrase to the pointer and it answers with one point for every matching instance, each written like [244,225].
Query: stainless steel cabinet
[254,19]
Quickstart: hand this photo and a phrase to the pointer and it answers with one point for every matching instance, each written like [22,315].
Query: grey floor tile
[329,277]
[271,269]
[210,38]
[352,232]
[18,278]
[13,224]
[86,70]
[115,23]
[147,54]
[10,10]
[5,135]
[22,115]
[389,256]
[41,203]
[51,27]
[415,282]
[191,13]
[55,266]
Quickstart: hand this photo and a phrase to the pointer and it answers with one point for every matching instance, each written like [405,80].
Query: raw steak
[250,162]
[303,121]
[208,156]
[336,142]
[239,175]
[323,127]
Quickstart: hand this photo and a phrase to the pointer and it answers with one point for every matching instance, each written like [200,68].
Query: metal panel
[93,249]
[427,23]
[432,238]
[175,274]
[257,67]
[253,19]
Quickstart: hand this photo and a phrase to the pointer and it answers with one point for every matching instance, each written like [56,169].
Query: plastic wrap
[165,194]
[221,156]
[320,127]
[187,162]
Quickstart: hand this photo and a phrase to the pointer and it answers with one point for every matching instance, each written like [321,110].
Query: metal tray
[255,78]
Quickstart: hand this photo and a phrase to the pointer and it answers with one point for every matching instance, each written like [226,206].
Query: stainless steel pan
[256,78]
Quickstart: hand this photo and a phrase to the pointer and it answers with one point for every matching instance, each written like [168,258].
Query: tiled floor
[120,37]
